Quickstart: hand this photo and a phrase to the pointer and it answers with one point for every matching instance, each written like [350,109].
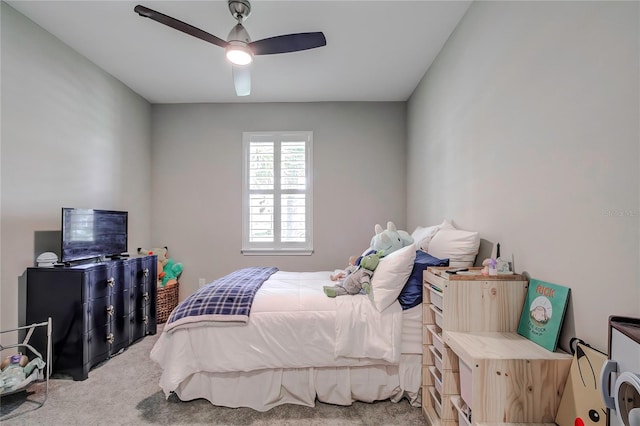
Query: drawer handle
[111,282]
[146,272]
[110,338]
[145,295]
[110,310]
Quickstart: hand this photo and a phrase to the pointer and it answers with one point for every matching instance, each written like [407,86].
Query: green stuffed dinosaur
[172,271]
[357,280]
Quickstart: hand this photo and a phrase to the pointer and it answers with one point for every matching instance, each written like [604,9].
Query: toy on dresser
[496,266]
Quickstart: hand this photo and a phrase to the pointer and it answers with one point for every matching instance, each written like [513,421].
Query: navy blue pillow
[411,294]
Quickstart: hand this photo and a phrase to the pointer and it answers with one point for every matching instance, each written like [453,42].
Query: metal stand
[35,376]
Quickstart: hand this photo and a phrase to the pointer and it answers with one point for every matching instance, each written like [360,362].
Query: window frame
[277,247]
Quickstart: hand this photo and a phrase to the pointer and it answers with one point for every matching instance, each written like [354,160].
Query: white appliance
[620,378]
[47,260]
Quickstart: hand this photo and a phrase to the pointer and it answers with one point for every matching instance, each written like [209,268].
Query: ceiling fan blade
[179,25]
[287,43]
[242,79]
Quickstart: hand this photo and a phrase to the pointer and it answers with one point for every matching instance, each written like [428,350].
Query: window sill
[274,252]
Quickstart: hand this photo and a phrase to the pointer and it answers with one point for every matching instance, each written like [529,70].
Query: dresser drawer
[104,280]
[436,376]
[97,346]
[437,315]
[437,358]
[436,338]
[464,412]
[435,296]
[435,398]
[447,360]
[97,313]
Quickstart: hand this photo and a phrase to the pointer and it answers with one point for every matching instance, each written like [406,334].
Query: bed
[297,345]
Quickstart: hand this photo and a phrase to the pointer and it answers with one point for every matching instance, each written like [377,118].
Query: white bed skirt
[265,389]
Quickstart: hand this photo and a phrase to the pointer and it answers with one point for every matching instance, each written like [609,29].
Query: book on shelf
[543,313]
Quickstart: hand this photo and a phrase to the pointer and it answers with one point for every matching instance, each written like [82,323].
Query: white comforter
[293,324]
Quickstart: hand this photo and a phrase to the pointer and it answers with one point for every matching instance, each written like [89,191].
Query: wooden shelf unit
[458,307]
[525,380]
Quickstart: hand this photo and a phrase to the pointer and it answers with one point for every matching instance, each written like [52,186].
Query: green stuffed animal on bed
[390,239]
[358,280]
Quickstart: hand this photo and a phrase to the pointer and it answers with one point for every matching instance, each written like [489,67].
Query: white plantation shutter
[277,193]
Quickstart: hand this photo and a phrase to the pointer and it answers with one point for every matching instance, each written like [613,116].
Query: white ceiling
[376,50]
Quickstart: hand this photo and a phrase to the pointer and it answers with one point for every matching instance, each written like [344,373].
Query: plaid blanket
[227,299]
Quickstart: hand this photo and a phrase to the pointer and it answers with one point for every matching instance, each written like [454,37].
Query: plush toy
[161,252]
[389,240]
[351,267]
[168,269]
[356,281]
[171,271]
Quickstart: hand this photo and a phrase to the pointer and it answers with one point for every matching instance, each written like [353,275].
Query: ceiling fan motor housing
[239,47]
[238,33]
[240,9]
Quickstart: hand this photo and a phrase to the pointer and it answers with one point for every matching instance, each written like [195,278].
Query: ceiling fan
[239,47]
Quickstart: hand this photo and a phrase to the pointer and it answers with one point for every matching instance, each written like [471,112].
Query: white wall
[358,177]
[526,128]
[72,136]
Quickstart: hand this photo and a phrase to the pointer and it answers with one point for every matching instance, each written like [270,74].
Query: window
[276,196]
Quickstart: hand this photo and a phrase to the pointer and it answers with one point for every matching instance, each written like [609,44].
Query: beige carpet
[124,391]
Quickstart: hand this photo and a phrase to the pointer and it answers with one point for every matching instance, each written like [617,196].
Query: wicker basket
[167,300]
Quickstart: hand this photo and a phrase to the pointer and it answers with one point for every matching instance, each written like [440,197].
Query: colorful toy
[168,269]
[171,272]
[356,281]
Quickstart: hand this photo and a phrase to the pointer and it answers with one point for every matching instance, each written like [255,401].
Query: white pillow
[390,276]
[422,236]
[447,224]
[460,247]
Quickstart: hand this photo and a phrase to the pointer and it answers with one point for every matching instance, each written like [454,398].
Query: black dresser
[97,309]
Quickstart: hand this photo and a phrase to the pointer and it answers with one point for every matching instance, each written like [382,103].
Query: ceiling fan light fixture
[238,53]
[239,48]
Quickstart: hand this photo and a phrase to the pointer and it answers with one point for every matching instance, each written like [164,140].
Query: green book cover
[543,313]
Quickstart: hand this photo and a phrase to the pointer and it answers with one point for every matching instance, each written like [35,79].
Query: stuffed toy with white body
[390,239]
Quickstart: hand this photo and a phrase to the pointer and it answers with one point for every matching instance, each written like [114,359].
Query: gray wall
[359,180]
[72,136]
[526,129]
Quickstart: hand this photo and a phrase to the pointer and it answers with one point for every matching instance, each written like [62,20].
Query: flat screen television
[90,233]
